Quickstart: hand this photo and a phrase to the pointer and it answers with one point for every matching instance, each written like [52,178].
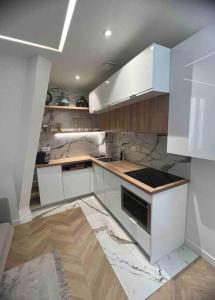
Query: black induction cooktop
[152,177]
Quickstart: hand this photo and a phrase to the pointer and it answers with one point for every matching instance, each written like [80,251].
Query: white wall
[19,116]
[12,82]
[36,85]
[200,225]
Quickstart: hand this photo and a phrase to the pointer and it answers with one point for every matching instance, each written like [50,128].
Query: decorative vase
[48,98]
[63,101]
[82,102]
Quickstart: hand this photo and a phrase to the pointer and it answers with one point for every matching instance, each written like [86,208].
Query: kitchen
[129,155]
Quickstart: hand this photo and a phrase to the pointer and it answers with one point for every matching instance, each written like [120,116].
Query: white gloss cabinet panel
[98,182]
[76,183]
[147,73]
[112,193]
[112,200]
[168,215]
[50,184]
[192,89]
[140,235]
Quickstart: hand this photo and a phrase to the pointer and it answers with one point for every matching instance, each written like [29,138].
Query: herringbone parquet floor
[86,267]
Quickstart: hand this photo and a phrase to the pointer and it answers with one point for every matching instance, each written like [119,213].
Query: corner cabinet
[144,77]
[192,104]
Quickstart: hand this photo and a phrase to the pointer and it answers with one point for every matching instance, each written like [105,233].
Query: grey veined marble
[148,150]
[68,119]
[73,144]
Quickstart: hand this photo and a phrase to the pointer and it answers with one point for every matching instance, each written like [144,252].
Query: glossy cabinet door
[192,103]
[98,182]
[76,183]
[50,184]
[145,73]
[112,193]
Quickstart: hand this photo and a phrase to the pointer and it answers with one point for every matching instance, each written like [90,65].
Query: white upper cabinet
[192,102]
[147,74]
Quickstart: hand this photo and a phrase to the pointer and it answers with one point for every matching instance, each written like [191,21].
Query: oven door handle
[130,196]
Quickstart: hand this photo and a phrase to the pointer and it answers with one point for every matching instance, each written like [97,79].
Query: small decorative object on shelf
[44,127]
[43,156]
[82,102]
[63,101]
[48,98]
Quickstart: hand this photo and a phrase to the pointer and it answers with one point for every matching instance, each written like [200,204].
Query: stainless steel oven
[136,208]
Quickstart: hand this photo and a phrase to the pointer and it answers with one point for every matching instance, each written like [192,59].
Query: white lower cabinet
[168,213]
[98,182]
[55,185]
[50,184]
[76,183]
[112,193]
[166,216]
[112,200]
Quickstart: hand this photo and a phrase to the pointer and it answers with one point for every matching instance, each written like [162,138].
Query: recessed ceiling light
[68,18]
[107,32]
[77,77]
[107,81]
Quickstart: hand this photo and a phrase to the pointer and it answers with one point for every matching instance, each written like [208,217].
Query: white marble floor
[137,276]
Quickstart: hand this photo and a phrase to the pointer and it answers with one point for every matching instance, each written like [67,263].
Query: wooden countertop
[118,168]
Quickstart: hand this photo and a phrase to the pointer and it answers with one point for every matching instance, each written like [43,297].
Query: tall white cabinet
[147,74]
[192,102]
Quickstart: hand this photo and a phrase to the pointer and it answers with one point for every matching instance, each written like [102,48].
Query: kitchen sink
[108,159]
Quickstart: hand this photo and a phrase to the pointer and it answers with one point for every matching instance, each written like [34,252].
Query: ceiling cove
[66,25]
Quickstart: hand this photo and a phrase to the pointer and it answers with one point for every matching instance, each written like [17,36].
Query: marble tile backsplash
[73,144]
[148,150]
[71,120]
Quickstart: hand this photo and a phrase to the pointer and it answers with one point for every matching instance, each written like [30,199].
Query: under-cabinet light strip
[76,134]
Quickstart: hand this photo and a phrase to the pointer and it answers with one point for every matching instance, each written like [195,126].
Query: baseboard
[25,216]
[201,252]
[16,221]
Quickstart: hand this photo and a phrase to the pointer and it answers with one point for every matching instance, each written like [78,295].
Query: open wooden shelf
[72,108]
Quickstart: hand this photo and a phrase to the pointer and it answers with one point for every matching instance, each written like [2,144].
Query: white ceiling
[39,21]
[134,23]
